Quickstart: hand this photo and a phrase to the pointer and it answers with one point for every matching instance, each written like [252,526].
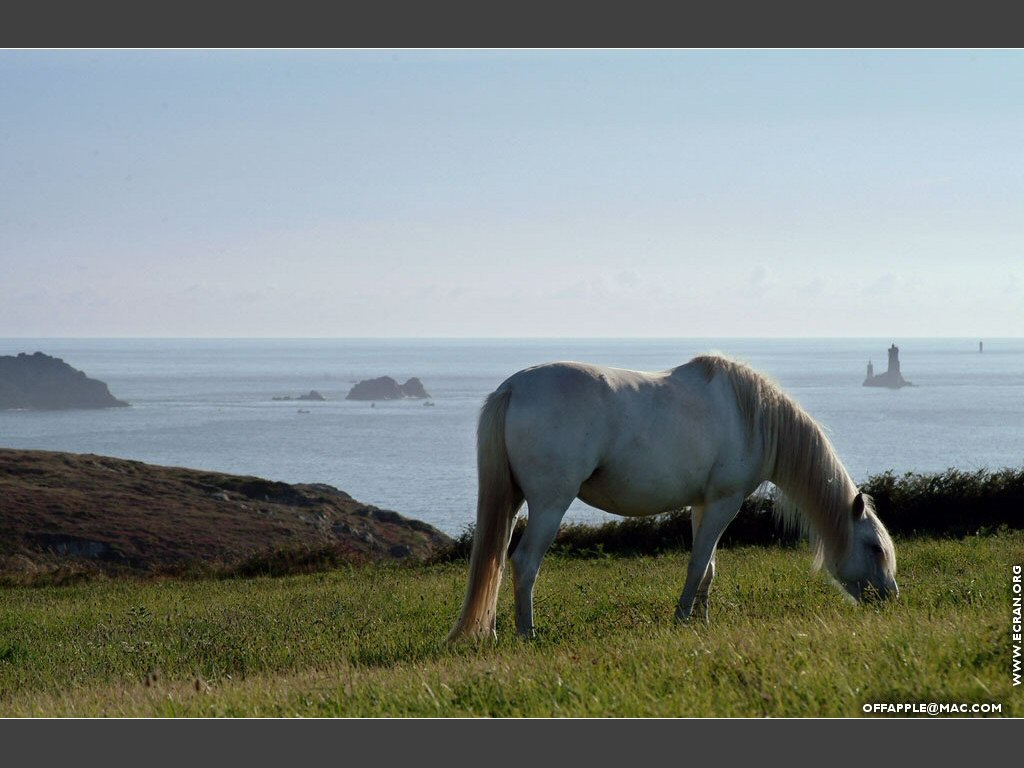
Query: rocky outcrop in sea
[386,388]
[313,396]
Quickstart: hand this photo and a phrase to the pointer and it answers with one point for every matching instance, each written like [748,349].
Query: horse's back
[581,397]
[629,442]
[559,418]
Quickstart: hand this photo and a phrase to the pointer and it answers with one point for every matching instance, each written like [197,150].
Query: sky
[517,193]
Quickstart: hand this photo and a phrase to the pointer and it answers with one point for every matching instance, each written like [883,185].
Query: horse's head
[868,571]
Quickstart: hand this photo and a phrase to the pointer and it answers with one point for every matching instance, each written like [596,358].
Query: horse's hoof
[682,618]
[472,637]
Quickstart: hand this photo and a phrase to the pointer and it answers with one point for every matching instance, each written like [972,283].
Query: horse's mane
[799,457]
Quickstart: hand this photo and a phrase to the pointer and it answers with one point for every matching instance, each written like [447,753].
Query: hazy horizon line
[484,338]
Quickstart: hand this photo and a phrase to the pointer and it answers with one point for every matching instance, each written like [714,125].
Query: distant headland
[892,378]
[43,383]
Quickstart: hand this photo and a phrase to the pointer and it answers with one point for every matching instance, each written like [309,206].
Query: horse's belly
[636,494]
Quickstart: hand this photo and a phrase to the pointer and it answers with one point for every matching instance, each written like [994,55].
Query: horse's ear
[858,506]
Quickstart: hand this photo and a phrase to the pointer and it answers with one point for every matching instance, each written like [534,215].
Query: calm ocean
[208,404]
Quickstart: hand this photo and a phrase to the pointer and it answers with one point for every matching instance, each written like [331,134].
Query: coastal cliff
[100,513]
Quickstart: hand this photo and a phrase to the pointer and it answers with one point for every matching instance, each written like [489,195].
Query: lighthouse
[892,378]
[894,361]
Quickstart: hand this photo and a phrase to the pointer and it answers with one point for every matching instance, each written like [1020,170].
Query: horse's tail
[498,500]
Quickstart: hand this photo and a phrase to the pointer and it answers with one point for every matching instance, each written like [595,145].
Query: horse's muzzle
[875,594]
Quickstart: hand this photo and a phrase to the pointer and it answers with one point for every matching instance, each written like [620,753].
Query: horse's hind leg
[704,589]
[541,528]
[715,519]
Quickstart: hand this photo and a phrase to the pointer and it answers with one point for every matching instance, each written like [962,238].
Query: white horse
[705,435]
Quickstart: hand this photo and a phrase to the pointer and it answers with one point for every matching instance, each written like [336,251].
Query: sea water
[208,404]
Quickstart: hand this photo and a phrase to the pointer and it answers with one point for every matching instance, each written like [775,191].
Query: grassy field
[369,641]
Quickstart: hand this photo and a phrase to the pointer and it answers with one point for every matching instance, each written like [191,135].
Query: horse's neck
[809,473]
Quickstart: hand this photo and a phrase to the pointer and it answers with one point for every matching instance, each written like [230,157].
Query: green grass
[369,641]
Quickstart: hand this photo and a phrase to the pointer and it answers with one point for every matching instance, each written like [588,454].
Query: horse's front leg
[541,528]
[703,599]
[704,589]
[709,524]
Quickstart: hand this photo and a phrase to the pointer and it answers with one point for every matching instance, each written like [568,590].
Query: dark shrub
[954,503]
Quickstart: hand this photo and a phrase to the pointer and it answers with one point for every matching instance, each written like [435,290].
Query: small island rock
[386,388]
[313,395]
